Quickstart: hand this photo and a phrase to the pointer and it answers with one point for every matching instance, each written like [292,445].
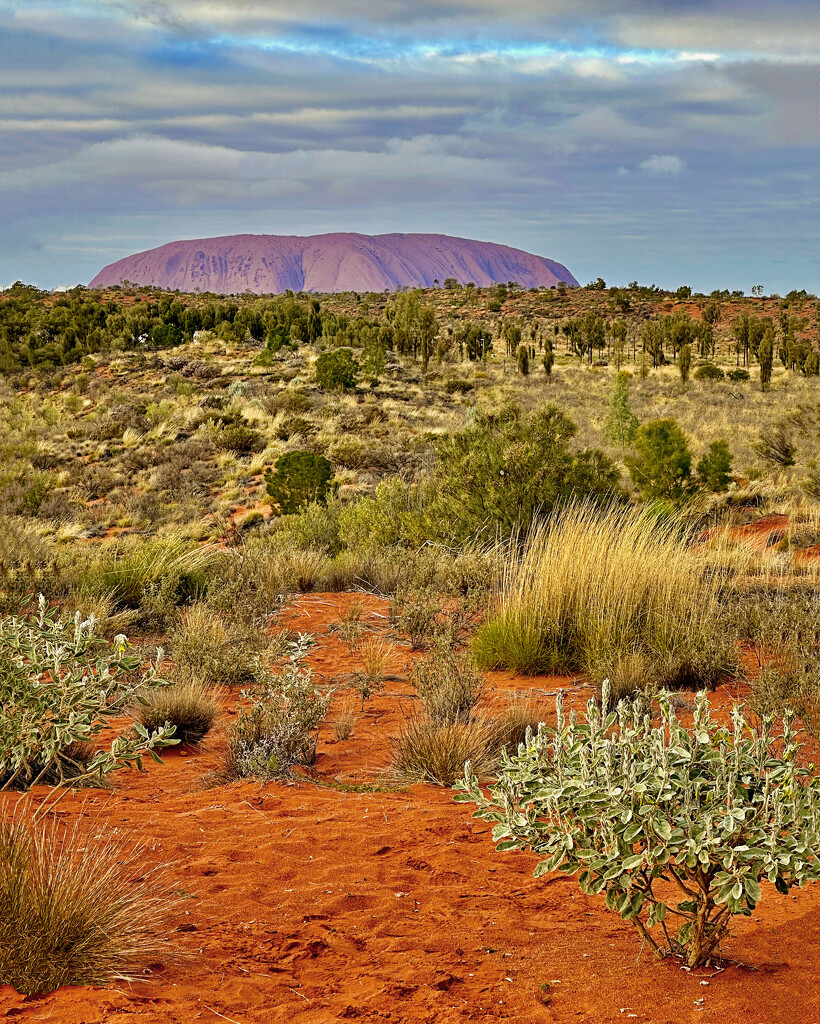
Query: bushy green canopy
[496,477]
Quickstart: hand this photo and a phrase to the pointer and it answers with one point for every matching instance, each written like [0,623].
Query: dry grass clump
[448,685]
[375,654]
[208,647]
[427,751]
[188,705]
[344,723]
[518,714]
[75,910]
[597,591]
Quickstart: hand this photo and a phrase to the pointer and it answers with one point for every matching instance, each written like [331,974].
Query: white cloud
[663,164]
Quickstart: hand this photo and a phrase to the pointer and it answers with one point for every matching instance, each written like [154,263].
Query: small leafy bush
[714,469]
[709,372]
[278,727]
[738,374]
[298,479]
[76,910]
[415,614]
[236,437]
[336,370]
[495,478]
[59,687]
[676,828]
[661,466]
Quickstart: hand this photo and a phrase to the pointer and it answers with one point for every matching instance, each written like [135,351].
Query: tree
[685,362]
[494,478]
[548,361]
[523,359]
[298,479]
[621,422]
[705,815]
[336,370]
[712,313]
[373,361]
[427,331]
[715,467]
[511,333]
[765,356]
[662,464]
[619,334]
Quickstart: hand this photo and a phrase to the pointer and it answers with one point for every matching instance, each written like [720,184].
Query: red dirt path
[305,905]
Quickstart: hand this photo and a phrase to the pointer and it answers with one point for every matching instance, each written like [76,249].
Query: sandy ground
[307,904]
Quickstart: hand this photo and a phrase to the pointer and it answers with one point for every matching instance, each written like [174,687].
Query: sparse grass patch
[214,650]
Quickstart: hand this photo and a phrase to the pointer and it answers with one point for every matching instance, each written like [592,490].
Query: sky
[668,141]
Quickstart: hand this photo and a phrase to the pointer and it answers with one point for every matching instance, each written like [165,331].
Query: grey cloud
[138,127]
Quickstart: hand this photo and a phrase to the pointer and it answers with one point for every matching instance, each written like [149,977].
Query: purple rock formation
[267,264]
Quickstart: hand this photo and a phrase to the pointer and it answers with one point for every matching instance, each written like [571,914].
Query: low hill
[267,264]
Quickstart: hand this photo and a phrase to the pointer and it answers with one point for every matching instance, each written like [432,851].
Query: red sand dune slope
[266,264]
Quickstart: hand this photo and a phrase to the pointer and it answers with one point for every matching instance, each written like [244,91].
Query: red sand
[304,905]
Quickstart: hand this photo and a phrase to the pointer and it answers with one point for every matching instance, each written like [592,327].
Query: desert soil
[306,904]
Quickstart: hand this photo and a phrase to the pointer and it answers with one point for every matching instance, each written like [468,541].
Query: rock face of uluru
[267,264]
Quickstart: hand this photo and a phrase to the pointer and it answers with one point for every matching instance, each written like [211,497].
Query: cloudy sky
[674,141]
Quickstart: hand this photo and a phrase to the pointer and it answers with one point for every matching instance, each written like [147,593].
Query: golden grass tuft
[426,751]
[76,909]
[188,705]
[597,591]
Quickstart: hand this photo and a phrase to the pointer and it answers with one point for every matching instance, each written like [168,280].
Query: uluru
[338,262]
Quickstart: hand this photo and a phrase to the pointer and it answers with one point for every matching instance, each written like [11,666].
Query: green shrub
[677,829]
[60,686]
[621,421]
[415,614]
[662,464]
[454,386]
[278,728]
[709,372]
[738,374]
[394,515]
[494,478]
[714,469]
[75,908]
[235,437]
[298,479]
[336,370]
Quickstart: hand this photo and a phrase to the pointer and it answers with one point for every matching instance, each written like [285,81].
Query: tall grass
[76,910]
[170,567]
[613,593]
